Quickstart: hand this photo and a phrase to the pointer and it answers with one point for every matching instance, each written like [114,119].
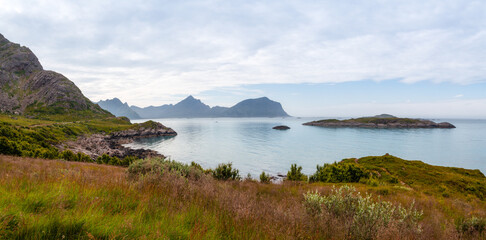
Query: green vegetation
[295,173]
[20,136]
[264,178]
[433,180]
[362,217]
[225,171]
[375,120]
[161,166]
[339,172]
[472,227]
[162,199]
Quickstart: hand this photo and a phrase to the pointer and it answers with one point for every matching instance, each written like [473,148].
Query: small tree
[225,171]
[295,173]
[264,178]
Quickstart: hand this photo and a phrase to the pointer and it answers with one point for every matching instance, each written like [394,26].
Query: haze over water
[253,146]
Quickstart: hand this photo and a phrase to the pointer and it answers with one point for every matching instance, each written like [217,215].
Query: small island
[380,121]
[281,127]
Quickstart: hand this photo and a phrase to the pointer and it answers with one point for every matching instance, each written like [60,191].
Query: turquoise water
[253,146]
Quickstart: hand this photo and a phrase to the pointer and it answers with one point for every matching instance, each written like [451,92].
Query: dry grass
[89,201]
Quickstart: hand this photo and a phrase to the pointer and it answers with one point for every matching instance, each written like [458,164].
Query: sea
[252,146]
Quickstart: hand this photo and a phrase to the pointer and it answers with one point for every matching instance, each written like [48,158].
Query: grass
[52,199]
[22,136]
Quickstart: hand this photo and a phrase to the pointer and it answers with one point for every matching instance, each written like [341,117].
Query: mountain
[192,108]
[27,89]
[259,107]
[117,108]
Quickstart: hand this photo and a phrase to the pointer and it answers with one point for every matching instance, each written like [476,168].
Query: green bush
[125,162]
[295,173]
[197,166]
[103,159]
[473,226]
[339,172]
[68,155]
[313,203]
[225,171]
[367,216]
[160,166]
[9,147]
[264,178]
[81,157]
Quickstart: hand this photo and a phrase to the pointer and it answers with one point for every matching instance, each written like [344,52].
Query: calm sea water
[253,146]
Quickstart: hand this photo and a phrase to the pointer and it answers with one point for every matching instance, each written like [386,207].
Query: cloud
[459,96]
[438,109]
[146,52]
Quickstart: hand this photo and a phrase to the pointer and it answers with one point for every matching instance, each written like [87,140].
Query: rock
[96,145]
[281,127]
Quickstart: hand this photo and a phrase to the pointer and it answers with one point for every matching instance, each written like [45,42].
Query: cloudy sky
[318,58]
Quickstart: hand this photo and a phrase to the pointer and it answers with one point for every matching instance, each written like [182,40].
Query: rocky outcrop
[281,127]
[26,88]
[96,145]
[374,122]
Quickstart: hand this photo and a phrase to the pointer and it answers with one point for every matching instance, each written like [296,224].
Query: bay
[253,146]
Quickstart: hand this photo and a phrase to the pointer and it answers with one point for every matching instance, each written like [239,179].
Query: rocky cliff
[26,88]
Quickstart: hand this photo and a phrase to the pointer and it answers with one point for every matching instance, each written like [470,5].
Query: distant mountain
[192,108]
[117,108]
[259,107]
[26,88]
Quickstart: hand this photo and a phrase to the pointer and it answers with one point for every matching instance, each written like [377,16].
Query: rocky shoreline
[96,145]
[380,123]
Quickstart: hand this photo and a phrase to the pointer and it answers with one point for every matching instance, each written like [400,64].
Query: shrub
[103,159]
[197,166]
[367,216]
[145,166]
[313,203]
[338,172]
[68,155]
[125,162]
[264,178]
[295,173]
[83,157]
[9,147]
[225,171]
[160,166]
[474,226]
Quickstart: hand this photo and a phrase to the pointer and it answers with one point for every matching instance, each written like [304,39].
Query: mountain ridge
[191,107]
[118,108]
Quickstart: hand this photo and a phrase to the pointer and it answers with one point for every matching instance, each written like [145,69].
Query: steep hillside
[27,89]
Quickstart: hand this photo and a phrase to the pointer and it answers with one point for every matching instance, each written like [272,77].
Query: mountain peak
[26,88]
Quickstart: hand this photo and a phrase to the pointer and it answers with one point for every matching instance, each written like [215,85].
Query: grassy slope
[28,137]
[48,199]
[448,182]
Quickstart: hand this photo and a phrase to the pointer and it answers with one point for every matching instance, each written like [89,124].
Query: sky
[318,58]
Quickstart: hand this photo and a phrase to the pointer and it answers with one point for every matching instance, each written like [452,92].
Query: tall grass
[50,199]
